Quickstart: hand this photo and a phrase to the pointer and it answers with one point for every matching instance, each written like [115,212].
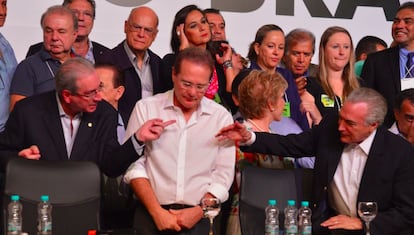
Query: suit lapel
[373,164]
[395,68]
[53,125]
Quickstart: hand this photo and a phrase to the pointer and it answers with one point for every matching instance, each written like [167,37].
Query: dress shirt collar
[132,57]
[62,112]
[203,108]
[367,143]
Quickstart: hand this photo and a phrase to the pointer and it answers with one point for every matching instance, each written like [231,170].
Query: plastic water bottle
[305,222]
[44,210]
[272,218]
[291,221]
[14,221]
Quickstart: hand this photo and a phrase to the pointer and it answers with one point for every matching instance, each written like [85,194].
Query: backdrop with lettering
[243,18]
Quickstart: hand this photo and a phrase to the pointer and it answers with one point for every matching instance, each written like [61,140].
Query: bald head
[143,11]
[141,28]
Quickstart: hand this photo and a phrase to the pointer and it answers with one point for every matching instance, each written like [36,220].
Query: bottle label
[271,229]
[306,230]
[291,229]
[14,227]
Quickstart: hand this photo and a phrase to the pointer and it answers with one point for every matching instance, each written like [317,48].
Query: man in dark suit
[357,159]
[384,70]
[141,66]
[85,11]
[71,123]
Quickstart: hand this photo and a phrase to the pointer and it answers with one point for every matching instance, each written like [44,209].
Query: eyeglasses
[91,94]
[137,28]
[199,87]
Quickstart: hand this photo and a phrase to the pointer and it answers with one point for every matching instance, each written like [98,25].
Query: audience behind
[367,45]
[140,65]
[265,53]
[404,115]
[85,12]
[389,71]
[36,74]
[191,29]
[336,78]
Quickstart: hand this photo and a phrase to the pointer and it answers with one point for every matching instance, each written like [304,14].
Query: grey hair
[70,71]
[377,105]
[61,10]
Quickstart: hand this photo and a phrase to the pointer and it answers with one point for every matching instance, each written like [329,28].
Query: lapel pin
[89,124]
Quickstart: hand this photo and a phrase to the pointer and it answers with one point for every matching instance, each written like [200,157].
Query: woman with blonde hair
[336,77]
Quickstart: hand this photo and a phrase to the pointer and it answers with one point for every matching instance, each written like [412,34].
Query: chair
[73,188]
[258,185]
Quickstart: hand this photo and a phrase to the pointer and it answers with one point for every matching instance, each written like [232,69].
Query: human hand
[301,83]
[235,132]
[32,152]
[343,222]
[310,108]
[152,129]
[183,38]
[227,53]
[164,220]
[188,217]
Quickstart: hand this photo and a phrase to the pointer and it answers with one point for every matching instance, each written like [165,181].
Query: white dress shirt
[349,171]
[187,161]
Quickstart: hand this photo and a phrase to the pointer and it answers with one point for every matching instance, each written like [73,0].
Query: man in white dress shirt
[182,161]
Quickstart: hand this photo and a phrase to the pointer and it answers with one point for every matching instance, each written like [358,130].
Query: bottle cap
[305,204]
[272,202]
[14,197]
[291,202]
[91,232]
[44,198]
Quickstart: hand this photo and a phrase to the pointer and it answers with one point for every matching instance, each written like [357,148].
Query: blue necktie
[409,65]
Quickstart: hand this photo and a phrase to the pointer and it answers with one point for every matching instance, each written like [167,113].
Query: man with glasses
[182,161]
[71,123]
[141,66]
[85,12]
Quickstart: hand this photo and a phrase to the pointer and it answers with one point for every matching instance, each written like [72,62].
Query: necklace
[257,126]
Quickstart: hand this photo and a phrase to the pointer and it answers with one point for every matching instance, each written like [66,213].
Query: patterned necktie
[409,65]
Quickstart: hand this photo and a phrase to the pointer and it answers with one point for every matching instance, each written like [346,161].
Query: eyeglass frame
[198,87]
[90,95]
[138,28]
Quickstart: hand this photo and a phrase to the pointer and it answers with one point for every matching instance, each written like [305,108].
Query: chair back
[73,188]
[258,185]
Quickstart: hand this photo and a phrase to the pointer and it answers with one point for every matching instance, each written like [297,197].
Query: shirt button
[325,188]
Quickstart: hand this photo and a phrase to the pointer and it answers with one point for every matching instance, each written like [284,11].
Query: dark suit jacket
[388,176]
[381,72]
[98,50]
[36,121]
[118,57]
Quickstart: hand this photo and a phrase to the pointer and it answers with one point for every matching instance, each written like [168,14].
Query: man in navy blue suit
[71,123]
[357,159]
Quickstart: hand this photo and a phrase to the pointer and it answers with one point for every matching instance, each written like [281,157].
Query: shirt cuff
[250,141]
[219,191]
[138,145]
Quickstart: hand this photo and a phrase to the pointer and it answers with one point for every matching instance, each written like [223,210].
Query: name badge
[286,110]
[407,83]
[327,102]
